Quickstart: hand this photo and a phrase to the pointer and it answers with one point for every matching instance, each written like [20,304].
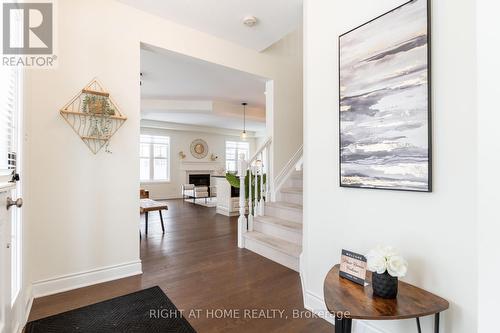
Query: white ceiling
[223,18]
[180,89]
[167,74]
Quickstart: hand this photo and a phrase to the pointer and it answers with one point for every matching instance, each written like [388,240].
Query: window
[233,151]
[11,96]
[155,158]
[10,113]
[9,108]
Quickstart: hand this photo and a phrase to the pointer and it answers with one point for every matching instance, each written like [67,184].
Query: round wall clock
[199,148]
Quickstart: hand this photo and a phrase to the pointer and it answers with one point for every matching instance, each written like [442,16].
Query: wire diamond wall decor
[94,116]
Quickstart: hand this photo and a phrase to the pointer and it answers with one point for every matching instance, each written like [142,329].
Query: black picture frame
[429,101]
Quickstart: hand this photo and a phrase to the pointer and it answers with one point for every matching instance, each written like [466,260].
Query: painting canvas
[384,68]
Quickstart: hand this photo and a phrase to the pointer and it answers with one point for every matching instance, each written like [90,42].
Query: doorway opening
[197,118]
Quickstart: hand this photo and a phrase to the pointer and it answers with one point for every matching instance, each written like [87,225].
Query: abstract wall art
[384,93]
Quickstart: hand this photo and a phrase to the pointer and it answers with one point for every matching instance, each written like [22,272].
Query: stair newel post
[250,204]
[242,221]
[262,191]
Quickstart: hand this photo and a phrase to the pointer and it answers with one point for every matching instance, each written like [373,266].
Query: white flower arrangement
[386,258]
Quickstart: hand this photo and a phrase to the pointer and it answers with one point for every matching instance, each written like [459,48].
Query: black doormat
[148,311]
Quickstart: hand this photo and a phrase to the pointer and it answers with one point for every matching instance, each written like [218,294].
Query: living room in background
[233,151]
[155,158]
[198,105]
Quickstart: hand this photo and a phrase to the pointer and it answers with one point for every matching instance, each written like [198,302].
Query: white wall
[287,111]
[181,141]
[436,231]
[81,209]
[488,162]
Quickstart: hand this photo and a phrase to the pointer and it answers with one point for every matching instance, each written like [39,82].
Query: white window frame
[238,151]
[11,114]
[161,140]
[11,106]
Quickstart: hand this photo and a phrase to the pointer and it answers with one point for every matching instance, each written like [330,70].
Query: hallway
[199,267]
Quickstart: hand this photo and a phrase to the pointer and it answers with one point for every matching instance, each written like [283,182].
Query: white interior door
[10,215]
[6,260]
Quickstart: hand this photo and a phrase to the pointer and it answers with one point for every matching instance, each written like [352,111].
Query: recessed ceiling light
[250,21]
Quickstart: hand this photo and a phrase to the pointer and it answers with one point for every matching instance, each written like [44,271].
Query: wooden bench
[148,205]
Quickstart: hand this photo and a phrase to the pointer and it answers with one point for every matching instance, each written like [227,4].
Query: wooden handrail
[288,169]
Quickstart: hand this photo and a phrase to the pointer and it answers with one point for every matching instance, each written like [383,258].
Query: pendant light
[244,133]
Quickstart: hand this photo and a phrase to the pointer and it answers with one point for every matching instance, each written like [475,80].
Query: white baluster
[262,191]
[268,171]
[242,221]
[256,197]
[250,206]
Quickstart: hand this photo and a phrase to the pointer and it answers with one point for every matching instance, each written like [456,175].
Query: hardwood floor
[199,266]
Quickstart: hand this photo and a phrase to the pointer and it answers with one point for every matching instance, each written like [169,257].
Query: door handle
[18,203]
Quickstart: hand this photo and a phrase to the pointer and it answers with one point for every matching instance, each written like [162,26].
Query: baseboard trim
[83,279]
[364,327]
[316,304]
[302,275]
[22,309]
[29,305]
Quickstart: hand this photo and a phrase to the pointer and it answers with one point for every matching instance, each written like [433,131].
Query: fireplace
[199,180]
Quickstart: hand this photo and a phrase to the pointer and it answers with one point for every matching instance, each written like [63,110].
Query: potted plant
[100,110]
[234,181]
[387,266]
[94,104]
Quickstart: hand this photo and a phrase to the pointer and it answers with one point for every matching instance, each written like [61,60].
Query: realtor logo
[27,28]
[28,34]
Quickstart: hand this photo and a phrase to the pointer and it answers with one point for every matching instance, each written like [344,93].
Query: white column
[242,221]
[487,161]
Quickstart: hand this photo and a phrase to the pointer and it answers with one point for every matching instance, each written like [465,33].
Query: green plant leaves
[235,182]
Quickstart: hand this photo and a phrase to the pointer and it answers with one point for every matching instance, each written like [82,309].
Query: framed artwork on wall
[199,148]
[385,101]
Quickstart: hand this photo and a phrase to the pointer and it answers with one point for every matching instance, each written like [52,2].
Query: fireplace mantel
[201,166]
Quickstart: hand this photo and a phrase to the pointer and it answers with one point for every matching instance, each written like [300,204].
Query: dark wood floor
[199,266]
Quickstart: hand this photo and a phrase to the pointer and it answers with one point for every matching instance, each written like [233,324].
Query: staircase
[271,229]
[277,235]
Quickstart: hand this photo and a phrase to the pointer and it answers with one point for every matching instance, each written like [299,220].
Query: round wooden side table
[348,300]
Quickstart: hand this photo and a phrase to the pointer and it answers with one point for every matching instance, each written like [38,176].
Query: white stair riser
[294,182]
[272,254]
[295,198]
[293,215]
[278,232]
[267,236]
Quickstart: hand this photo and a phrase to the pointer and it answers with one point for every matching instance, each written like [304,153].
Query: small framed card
[353,267]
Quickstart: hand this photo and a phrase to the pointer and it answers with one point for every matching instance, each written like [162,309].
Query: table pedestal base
[343,325]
